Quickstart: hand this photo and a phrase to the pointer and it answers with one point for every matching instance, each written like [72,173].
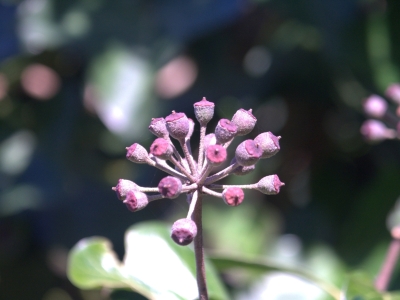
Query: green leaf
[224,262]
[360,286]
[154,265]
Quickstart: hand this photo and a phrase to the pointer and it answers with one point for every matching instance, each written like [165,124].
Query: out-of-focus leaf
[360,287]
[392,296]
[154,265]
[92,264]
[152,256]
[224,262]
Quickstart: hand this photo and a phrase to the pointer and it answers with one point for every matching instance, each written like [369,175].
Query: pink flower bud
[204,111]
[170,187]
[375,106]
[268,143]
[123,187]
[136,200]
[177,125]
[225,131]
[161,148]
[216,154]
[244,120]
[376,131]
[393,92]
[183,231]
[137,154]
[248,153]
[158,127]
[269,185]
[233,196]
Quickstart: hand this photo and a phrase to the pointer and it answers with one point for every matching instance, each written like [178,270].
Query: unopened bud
[170,187]
[244,120]
[269,185]
[183,231]
[216,154]
[158,127]
[161,148]
[136,200]
[137,154]
[204,111]
[268,143]
[123,187]
[233,196]
[191,129]
[376,131]
[248,153]
[375,106]
[225,131]
[177,125]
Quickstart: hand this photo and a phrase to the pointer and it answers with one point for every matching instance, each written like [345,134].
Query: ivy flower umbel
[195,177]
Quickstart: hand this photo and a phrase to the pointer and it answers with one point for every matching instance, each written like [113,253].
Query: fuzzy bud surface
[158,127]
[183,231]
[137,154]
[161,148]
[248,153]
[177,125]
[204,111]
[170,187]
[244,120]
[268,143]
[270,185]
[216,154]
[233,196]
[225,131]
[123,187]
[136,200]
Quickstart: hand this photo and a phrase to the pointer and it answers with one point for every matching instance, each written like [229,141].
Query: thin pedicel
[195,178]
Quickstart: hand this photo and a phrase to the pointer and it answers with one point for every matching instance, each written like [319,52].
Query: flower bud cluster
[194,176]
[383,123]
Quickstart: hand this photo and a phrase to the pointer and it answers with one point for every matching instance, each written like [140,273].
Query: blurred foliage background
[80,80]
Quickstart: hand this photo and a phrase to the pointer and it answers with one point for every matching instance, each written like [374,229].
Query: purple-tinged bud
[233,196]
[225,131]
[375,106]
[158,127]
[177,125]
[137,154]
[241,170]
[136,200]
[244,120]
[268,143]
[393,92]
[269,185]
[123,187]
[248,153]
[191,129]
[376,131]
[183,231]
[170,187]
[204,111]
[161,148]
[209,139]
[216,154]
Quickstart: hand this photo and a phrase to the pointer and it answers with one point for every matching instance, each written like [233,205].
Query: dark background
[70,71]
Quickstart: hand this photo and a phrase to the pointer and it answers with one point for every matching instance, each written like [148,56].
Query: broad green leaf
[154,265]
[165,266]
[360,287]
[224,262]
